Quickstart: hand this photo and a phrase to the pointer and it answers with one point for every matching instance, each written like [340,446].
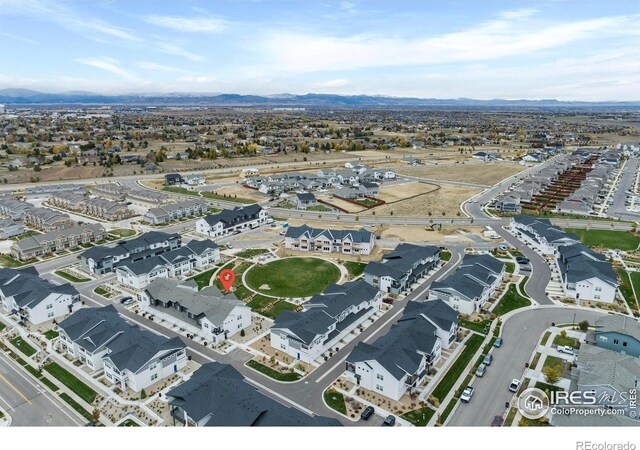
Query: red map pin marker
[226,278]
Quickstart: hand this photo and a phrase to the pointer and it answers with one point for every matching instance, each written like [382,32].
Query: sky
[587,50]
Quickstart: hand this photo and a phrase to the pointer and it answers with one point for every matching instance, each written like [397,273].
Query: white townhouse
[471,285]
[34,299]
[207,313]
[540,235]
[586,275]
[229,221]
[132,358]
[351,242]
[326,319]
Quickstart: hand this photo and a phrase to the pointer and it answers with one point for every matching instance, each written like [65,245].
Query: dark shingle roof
[361,235]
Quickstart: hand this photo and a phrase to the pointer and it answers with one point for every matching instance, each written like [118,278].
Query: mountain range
[17,96]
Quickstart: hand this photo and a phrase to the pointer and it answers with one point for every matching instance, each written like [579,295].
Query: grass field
[561,341]
[122,232]
[475,326]
[102,291]
[511,300]
[72,382]
[293,277]
[202,279]
[51,334]
[23,346]
[335,400]
[75,405]
[635,280]
[552,361]
[419,417]
[70,277]
[9,261]
[251,252]
[286,376]
[354,268]
[455,371]
[621,240]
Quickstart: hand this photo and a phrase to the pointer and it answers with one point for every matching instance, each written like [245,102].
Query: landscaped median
[72,382]
[335,400]
[511,300]
[69,277]
[287,376]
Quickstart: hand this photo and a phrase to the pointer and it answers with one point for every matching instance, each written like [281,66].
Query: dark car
[497,343]
[389,421]
[126,299]
[487,360]
[522,260]
[387,300]
[367,413]
[497,421]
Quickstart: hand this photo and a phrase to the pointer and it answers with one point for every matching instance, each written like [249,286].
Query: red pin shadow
[227,277]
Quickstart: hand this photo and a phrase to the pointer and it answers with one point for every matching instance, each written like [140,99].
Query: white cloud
[15,37]
[148,65]
[173,49]
[200,79]
[518,14]
[340,82]
[190,24]
[108,65]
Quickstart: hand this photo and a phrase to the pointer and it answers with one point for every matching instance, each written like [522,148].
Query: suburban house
[402,267]
[307,239]
[173,179]
[176,211]
[96,207]
[303,200]
[586,275]
[508,203]
[326,319]
[194,180]
[618,333]
[171,264]
[132,358]
[34,299]
[10,228]
[13,208]
[229,221]
[46,219]
[368,188]
[217,395]
[400,360]
[102,259]
[540,235]
[471,285]
[54,241]
[207,313]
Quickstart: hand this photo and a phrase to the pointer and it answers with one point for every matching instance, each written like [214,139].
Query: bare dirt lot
[395,192]
[420,234]
[445,200]
[481,173]
[242,191]
[340,203]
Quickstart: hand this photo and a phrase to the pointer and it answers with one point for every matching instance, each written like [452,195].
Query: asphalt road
[618,207]
[28,403]
[521,334]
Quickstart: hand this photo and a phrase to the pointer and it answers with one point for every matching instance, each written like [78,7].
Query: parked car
[229,245]
[389,421]
[503,248]
[497,343]
[128,302]
[497,421]
[522,260]
[282,233]
[481,370]
[466,394]
[515,384]
[387,300]
[487,359]
[566,349]
[125,299]
[367,413]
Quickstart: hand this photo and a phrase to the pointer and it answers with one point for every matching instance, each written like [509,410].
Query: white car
[515,385]
[567,350]
[466,394]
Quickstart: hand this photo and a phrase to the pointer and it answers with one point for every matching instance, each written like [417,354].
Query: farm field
[470,172]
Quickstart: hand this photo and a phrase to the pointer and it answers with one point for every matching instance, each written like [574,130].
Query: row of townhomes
[217,395]
[131,358]
[57,240]
[324,240]
[206,313]
[586,275]
[176,211]
[399,361]
[44,219]
[175,179]
[33,299]
[10,228]
[402,267]
[47,190]
[102,259]
[592,189]
[130,192]
[473,283]
[325,320]
[608,367]
[229,221]
[92,206]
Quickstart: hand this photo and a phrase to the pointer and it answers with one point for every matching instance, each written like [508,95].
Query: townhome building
[586,275]
[103,259]
[176,211]
[207,313]
[308,239]
[618,333]
[46,219]
[471,285]
[57,240]
[399,361]
[130,357]
[33,299]
[401,268]
[325,320]
[10,228]
[13,208]
[540,235]
[217,395]
[229,221]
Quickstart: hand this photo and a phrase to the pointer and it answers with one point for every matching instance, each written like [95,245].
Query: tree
[552,374]
[242,333]
[143,394]
[584,325]
[95,414]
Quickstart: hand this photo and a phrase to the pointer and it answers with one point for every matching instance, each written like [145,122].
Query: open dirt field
[471,172]
[447,199]
[241,191]
[395,192]
[350,207]
[420,234]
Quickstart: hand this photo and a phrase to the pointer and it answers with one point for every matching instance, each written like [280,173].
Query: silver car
[481,370]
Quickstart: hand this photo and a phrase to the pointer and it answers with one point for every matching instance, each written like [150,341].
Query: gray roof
[619,324]
[472,277]
[28,289]
[443,315]
[234,216]
[218,395]
[578,263]
[361,235]
[131,246]
[37,240]
[601,367]
[404,259]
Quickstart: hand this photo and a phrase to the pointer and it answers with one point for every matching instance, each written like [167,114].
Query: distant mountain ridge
[17,96]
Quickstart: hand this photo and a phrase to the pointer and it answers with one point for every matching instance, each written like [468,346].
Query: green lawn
[335,400]
[510,267]
[129,423]
[23,346]
[471,347]
[277,308]
[534,361]
[10,262]
[51,334]
[354,268]
[419,417]
[448,409]
[611,239]
[72,382]
[237,285]
[293,277]
[2,326]
[545,338]
[552,361]
[235,198]
[122,232]
[635,280]
[475,326]
[202,279]
[625,286]
[562,341]
[26,234]
[319,208]
[286,376]
[70,277]
[445,255]
[102,291]
[547,388]
[75,405]
[510,300]
[251,252]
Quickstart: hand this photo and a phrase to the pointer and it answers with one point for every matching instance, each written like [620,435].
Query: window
[379,377]
[624,344]
[598,289]
[50,314]
[379,387]
[154,376]
[50,306]
[152,366]
[283,346]
[596,297]
[604,338]
[616,342]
